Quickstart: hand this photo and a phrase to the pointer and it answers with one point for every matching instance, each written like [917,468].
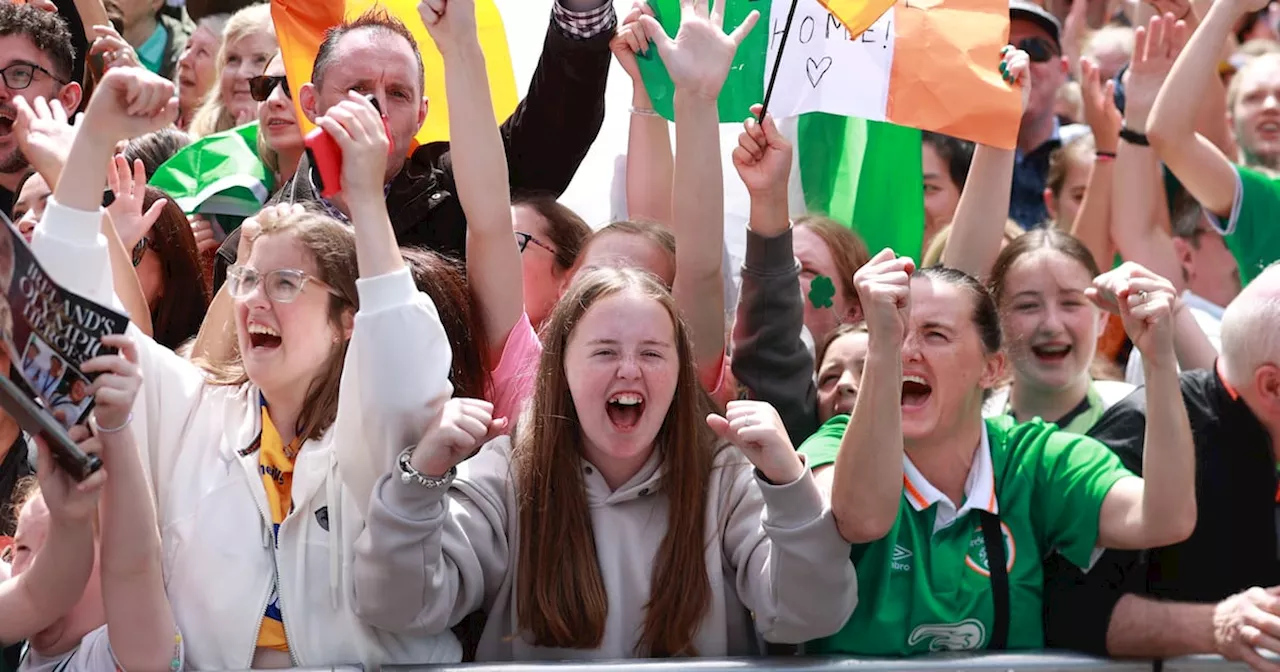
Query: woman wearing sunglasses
[279,136]
[334,346]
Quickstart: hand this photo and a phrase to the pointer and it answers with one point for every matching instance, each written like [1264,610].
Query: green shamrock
[821,291]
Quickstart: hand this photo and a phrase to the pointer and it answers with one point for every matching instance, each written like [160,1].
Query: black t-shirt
[1233,546]
[6,202]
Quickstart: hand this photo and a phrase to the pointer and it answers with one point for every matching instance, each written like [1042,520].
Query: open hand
[358,129]
[1181,10]
[884,289]
[1246,622]
[1015,67]
[456,434]
[632,38]
[755,428]
[130,102]
[699,57]
[1100,111]
[449,22]
[1155,48]
[69,501]
[763,156]
[1146,303]
[44,135]
[130,190]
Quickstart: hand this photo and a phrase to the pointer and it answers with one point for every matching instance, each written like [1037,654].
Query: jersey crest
[967,635]
[977,556]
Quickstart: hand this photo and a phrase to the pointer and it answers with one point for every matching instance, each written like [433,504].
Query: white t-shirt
[93,655]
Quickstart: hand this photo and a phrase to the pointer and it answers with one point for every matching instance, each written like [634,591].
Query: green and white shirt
[926,586]
[1250,231]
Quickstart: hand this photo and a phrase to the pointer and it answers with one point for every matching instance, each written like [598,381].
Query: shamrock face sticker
[821,291]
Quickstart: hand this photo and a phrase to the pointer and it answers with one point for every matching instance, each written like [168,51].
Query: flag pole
[773,74]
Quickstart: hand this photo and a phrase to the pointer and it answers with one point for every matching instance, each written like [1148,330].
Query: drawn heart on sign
[816,69]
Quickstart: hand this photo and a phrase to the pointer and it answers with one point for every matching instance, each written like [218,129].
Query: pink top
[514,376]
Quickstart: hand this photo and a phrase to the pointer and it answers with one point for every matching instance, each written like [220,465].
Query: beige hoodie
[425,561]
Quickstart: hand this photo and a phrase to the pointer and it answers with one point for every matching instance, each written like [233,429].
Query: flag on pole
[300,27]
[218,174]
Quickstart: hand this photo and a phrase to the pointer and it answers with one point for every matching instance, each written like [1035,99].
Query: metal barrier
[1008,662]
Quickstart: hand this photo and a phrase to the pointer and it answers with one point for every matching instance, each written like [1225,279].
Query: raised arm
[769,356]
[479,173]
[1092,222]
[426,560]
[649,162]
[140,622]
[1155,510]
[698,61]
[1202,168]
[1212,122]
[56,577]
[1139,220]
[866,480]
[978,225]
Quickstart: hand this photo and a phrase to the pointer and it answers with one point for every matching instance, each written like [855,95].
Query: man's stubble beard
[15,162]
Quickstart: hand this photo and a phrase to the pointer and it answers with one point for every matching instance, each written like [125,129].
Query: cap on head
[1030,11]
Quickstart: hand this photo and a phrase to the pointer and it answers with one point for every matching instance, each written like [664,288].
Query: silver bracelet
[112,430]
[408,474]
[645,112]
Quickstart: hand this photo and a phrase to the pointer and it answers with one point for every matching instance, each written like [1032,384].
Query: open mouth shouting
[7,117]
[263,338]
[1051,353]
[915,392]
[625,410]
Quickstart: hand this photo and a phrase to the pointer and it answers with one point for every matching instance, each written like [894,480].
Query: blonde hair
[270,158]
[933,255]
[213,115]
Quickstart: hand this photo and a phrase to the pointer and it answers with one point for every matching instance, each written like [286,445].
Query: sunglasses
[523,239]
[1038,49]
[140,250]
[282,285]
[260,87]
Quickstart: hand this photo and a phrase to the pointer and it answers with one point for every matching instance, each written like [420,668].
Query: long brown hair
[184,299]
[560,596]
[445,281]
[333,246]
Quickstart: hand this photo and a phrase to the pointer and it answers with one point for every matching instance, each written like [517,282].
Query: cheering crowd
[414,410]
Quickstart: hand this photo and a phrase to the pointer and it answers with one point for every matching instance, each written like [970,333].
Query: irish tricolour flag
[862,76]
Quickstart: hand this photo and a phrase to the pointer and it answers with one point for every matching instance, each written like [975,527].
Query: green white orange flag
[300,27]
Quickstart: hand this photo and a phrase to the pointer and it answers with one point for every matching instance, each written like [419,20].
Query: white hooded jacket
[219,560]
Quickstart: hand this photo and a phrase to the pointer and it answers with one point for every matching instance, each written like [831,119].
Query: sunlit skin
[246,57]
[615,249]
[87,614]
[29,207]
[1051,328]
[840,375]
[941,194]
[1065,206]
[21,49]
[542,275]
[1210,269]
[1256,114]
[623,346]
[816,260]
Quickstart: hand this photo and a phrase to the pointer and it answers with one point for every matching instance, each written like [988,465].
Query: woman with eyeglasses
[334,346]
[279,136]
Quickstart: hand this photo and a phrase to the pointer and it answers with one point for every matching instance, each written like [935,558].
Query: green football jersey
[1252,234]
[926,586]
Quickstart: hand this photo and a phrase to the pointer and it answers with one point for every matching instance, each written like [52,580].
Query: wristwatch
[410,475]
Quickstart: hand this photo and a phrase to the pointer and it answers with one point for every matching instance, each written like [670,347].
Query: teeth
[626,399]
[1055,349]
[261,329]
[914,379]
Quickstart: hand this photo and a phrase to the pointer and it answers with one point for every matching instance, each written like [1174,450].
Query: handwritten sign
[825,68]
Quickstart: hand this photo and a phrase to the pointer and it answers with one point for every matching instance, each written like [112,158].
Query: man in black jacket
[1217,591]
[546,137]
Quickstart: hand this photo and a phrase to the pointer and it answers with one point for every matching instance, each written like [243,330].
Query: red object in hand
[325,156]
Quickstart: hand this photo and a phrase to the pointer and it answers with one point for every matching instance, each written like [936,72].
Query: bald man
[1219,591]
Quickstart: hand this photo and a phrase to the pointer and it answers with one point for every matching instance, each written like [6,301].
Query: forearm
[480,177]
[92,13]
[1177,106]
[868,469]
[1136,226]
[139,618]
[51,585]
[1092,225]
[125,279]
[217,337]
[1193,347]
[698,224]
[978,225]
[1168,463]
[649,162]
[1142,627]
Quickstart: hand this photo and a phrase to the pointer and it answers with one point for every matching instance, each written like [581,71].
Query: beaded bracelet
[645,112]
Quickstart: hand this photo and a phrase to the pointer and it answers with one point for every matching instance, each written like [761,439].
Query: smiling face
[1052,329]
[276,117]
[840,375]
[945,367]
[197,66]
[244,57]
[622,365]
[1256,113]
[284,345]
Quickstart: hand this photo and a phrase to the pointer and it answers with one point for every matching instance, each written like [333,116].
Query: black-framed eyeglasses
[523,239]
[140,250]
[260,87]
[18,76]
[282,285]
[1038,49]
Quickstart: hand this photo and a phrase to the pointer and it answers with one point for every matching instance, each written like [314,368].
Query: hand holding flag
[699,57]
[763,156]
